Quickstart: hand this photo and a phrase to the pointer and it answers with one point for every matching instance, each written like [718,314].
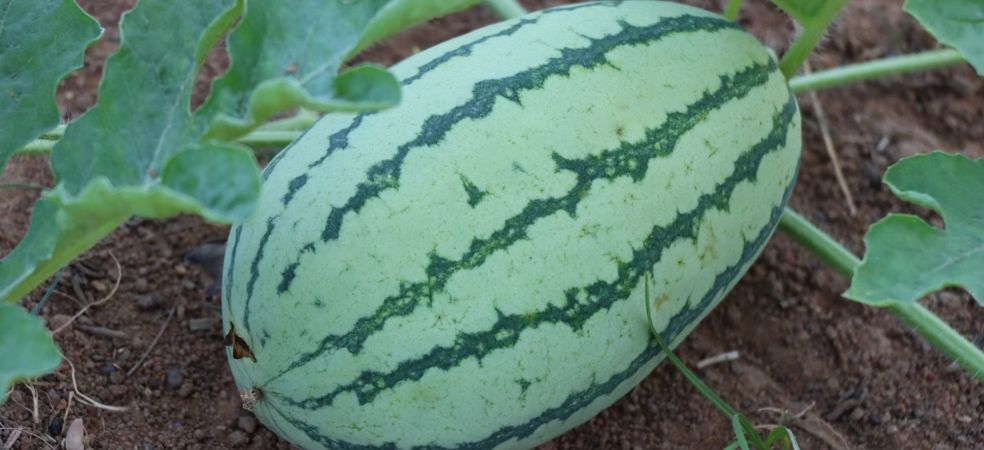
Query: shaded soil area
[843,375]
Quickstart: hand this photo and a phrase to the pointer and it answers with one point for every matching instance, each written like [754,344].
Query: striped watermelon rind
[465,270]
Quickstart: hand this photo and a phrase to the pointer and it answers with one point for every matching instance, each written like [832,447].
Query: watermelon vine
[113,163]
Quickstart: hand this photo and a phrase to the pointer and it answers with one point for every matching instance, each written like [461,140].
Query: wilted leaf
[283,57]
[41,41]
[957,23]
[27,348]
[906,257]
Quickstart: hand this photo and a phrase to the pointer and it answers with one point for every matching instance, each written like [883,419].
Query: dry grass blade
[71,396]
[810,423]
[717,359]
[152,344]
[116,285]
[48,441]
[35,414]
[86,400]
[12,438]
[828,142]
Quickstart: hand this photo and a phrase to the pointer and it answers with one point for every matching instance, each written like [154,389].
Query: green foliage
[32,61]
[288,57]
[957,23]
[142,151]
[746,435]
[815,16]
[110,163]
[906,257]
[26,346]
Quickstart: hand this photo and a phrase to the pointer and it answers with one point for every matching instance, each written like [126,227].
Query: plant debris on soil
[840,374]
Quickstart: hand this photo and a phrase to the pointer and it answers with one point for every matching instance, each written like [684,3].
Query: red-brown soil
[853,376]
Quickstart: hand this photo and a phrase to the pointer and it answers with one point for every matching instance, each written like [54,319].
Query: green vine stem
[731,10]
[278,133]
[876,69]
[506,9]
[259,138]
[819,243]
[922,320]
[282,132]
[814,22]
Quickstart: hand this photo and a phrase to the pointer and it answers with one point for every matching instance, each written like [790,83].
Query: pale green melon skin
[509,155]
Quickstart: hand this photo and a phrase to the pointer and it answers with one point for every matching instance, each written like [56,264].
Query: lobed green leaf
[27,348]
[906,257]
[135,153]
[290,57]
[41,41]
[957,23]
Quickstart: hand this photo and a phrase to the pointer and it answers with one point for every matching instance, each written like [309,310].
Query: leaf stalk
[922,320]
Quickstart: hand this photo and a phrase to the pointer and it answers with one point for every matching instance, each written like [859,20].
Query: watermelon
[466,270]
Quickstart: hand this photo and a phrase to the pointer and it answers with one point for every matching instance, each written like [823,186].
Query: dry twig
[717,359]
[20,430]
[71,396]
[116,285]
[35,414]
[828,142]
[86,400]
[12,438]
[103,331]
[152,344]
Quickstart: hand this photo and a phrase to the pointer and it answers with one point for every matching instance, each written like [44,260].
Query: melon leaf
[33,59]
[957,23]
[290,57]
[906,257]
[27,348]
[109,162]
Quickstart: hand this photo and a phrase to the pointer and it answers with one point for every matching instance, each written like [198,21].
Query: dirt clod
[174,378]
[247,424]
[238,439]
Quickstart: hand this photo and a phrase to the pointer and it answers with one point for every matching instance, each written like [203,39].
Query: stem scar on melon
[240,349]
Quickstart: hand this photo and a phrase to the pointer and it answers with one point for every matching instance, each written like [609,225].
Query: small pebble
[238,439]
[186,390]
[59,319]
[55,426]
[857,414]
[116,377]
[201,324]
[174,378]
[247,424]
[180,269]
[98,285]
[149,301]
[118,390]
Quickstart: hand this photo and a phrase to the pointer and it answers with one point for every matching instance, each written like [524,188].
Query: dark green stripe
[582,303]
[630,159]
[340,139]
[475,194]
[581,399]
[385,175]
[254,271]
[230,274]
